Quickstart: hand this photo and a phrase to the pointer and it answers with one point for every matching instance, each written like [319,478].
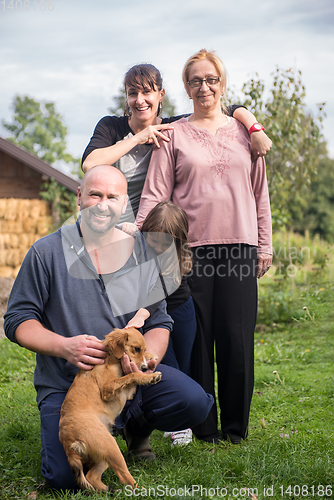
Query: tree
[168,107]
[316,214]
[298,144]
[38,128]
[117,108]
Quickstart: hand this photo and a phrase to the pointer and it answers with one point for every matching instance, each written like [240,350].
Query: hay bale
[11,209]
[43,225]
[24,209]
[3,257]
[6,272]
[29,225]
[14,240]
[22,222]
[32,239]
[14,226]
[23,253]
[45,208]
[6,240]
[3,207]
[13,257]
[35,209]
[16,271]
[24,240]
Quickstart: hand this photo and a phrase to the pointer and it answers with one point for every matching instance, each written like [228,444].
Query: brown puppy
[93,402]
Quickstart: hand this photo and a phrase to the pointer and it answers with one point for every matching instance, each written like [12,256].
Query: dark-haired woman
[126,142]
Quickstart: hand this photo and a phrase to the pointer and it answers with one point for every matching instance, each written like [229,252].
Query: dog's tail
[74,454]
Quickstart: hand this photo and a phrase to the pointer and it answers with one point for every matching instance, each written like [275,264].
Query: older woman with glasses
[207,169]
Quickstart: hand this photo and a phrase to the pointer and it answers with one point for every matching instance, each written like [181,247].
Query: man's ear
[125,204]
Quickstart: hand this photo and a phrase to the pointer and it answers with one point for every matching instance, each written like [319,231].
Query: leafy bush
[298,262]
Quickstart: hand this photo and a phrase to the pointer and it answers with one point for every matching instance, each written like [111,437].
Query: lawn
[290,449]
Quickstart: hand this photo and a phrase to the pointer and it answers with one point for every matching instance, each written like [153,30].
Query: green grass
[291,455]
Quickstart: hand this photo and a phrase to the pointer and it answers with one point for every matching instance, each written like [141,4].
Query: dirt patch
[5,288]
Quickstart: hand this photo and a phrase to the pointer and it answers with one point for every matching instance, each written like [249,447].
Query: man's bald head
[102,198]
[109,173]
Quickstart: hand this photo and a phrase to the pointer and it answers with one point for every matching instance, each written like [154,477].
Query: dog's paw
[149,356]
[156,377]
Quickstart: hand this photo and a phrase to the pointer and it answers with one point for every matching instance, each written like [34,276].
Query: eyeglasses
[197,82]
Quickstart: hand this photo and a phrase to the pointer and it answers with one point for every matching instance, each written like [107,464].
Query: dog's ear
[115,342]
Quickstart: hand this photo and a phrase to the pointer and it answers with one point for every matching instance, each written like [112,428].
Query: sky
[75,53]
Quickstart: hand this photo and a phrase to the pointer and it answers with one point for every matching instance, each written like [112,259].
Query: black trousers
[224,288]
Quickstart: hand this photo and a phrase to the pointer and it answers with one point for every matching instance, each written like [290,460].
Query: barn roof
[37,164]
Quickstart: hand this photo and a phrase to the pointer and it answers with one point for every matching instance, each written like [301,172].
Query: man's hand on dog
[129,367]
[85,351]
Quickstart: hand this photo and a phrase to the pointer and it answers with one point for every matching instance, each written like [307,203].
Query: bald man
[74,287]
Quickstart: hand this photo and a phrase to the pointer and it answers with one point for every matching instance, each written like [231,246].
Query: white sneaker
[167,434]
[181,438]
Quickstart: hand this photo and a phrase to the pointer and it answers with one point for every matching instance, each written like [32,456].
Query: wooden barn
[24,216]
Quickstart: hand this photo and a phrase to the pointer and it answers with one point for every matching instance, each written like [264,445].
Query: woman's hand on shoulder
[260,144]
[151,134]
[138,319]
[129,228]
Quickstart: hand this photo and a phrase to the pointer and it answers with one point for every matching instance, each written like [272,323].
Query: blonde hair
[201,55]
[168,218]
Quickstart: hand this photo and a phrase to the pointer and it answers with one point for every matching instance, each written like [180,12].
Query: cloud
[76,54]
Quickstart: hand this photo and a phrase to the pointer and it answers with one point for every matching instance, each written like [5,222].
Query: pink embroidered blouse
[214,180]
